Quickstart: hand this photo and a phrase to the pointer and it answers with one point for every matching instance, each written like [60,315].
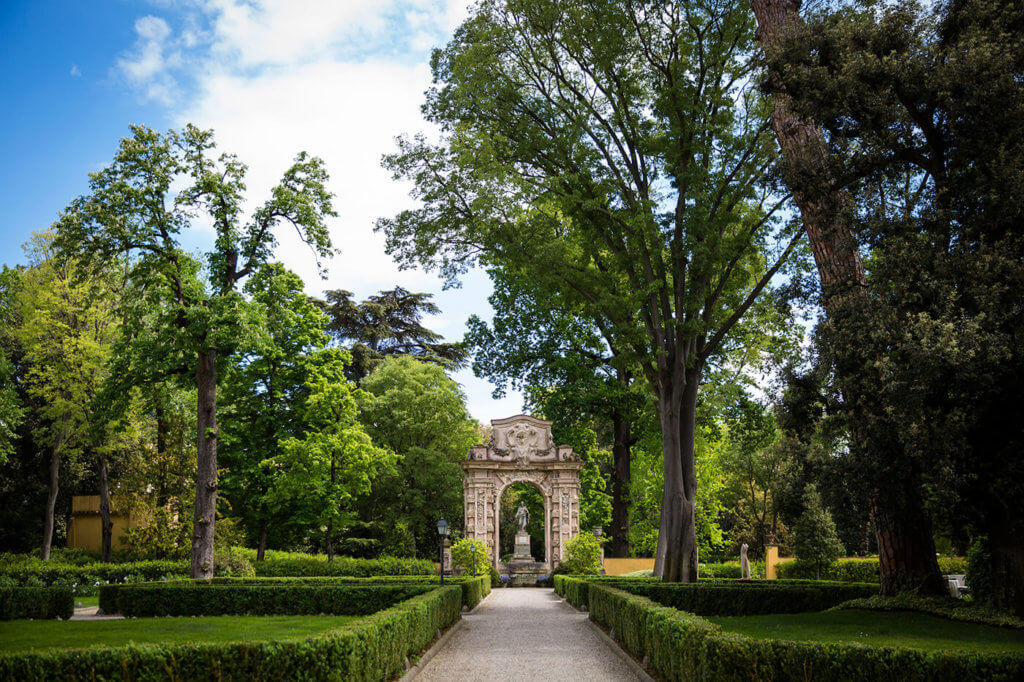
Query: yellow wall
[772,561]
[613,566]
[87,526]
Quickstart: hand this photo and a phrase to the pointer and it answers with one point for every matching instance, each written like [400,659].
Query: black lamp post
[472,551]
[442,530]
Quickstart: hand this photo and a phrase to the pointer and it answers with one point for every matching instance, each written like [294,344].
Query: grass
[82,602]
[24,635]
[914,630]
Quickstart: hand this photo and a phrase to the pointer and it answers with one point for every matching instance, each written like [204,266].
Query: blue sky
[339,79]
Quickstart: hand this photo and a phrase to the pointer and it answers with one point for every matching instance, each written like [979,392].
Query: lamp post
[598,532]
[472,553]
[442,531]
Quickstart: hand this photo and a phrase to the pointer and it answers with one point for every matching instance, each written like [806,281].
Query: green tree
[816,542]
[384,325]
[334,462]
[924,112]
[417,412]
[67,327]
[136,212]
[264,390]
[618,155]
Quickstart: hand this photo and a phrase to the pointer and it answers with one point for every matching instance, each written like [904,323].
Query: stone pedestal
[522,552]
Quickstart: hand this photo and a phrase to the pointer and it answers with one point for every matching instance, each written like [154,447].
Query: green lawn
[82,602]
[20,635]
[917,630]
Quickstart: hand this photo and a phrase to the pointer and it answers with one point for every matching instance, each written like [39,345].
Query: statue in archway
[522,517]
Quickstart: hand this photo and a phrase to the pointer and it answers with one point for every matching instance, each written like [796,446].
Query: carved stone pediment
[522,439]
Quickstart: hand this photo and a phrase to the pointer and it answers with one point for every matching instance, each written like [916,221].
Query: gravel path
[525,634]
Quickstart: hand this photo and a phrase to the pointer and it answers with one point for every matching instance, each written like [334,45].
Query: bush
[683,646]
[36,602]
[231,561]
[583,555]
[817,544]
[946,607]
[373,648]
[295,564]
[979,571]
[198,598]
[858,570]
[472,557]
[729,570]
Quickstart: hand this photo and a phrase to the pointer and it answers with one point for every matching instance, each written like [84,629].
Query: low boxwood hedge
[36,602]
[858,570]
[373,648]
[317,565]
[473,589]
[682,646]
[198,598]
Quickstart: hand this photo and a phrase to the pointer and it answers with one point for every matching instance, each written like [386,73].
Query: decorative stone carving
[521,449]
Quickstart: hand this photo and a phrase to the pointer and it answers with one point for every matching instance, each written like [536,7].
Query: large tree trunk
[841,273]
[621,444]
[262,547]
[106,524]
[206,473]
[906,550]
[677,535]
[1006,546]
[51,502]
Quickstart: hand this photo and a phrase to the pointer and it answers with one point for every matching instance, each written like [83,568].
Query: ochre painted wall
[613,566]
[87,527]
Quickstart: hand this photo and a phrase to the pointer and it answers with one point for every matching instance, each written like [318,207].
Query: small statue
[522,517]
[744,563]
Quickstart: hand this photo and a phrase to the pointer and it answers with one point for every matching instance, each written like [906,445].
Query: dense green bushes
[374,648]
[281,564]
[682,646]
[36,602]
[730,570]
[201,599]
[859,570]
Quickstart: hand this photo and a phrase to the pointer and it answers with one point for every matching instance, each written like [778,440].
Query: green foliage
[857,570]
[947,607]
[979,570]
[200,599]
[735,599]
[731,570]
[298,564]
[414,410]
[817,543]
[683,646]
[229,561]
[472,557]
[372,648]
[582,555]
[36,602]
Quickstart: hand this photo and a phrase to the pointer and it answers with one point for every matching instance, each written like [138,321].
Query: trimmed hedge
[200,599]
[373,649]
[314,565]
[36,602]
[473,589]
[856,570]
[945,607]
[90,574]
[683,646]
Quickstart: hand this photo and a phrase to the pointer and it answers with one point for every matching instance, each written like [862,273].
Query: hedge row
[945,607]
[860,570]
[683,646]
[36,602]
[116,598]
[200,599]
[373,648]
[52,573]
[724,598]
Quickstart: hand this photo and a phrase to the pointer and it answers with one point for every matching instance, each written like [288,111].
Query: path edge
[414,671]
[612,644]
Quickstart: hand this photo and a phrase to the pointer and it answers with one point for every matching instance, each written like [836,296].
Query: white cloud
[75,71]
[147,66]
[339,80]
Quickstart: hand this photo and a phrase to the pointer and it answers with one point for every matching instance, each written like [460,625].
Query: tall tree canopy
[618,154]
[387,324]
[137,210]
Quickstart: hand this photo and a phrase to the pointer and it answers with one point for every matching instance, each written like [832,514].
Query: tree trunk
[841,273]
[906,550]
[677,534]
[51,502]
[262,548]
[1006,548]
[105,523]
[206,474]
[620,485]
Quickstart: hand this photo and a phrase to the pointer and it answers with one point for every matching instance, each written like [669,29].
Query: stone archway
[521,450]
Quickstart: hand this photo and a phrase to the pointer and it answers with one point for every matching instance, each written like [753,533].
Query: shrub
[289,564]
[857,569]
[36,602]
[683,646]
[583,555]
[817,543]
[472,557]
[729,569]
[946,607]
[231,561]
[198,598]
[979,570]
[743,599]
[373,648]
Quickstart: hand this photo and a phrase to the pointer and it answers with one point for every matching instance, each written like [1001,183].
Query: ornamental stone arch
[521,450]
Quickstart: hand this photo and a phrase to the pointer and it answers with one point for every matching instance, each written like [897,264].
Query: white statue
[522,517]
[744,563]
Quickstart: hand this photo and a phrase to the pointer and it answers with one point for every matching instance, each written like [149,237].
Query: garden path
[526,634]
